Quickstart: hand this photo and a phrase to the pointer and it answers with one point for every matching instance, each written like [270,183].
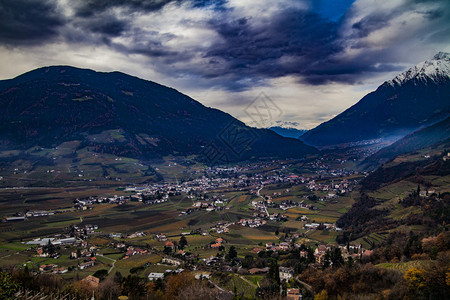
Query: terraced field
[405,266]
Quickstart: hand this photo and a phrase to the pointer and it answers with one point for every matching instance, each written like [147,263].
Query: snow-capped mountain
[412,100]
[435,69]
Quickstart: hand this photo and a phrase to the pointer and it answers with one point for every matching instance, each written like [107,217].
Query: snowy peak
[442,55]
[435,69]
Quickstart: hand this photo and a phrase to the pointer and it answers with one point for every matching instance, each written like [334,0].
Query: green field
[405,266]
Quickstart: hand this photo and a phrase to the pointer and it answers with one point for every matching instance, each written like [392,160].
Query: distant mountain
[414,99]
[434,134]
[288,132]
[127,116]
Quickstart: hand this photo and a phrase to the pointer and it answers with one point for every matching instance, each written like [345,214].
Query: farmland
[121,214]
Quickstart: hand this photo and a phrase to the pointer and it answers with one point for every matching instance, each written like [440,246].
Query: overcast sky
[313,58]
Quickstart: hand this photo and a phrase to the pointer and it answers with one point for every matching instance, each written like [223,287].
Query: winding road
[257,193]
[113,264]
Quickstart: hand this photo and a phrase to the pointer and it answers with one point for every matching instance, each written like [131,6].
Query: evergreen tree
[183,242]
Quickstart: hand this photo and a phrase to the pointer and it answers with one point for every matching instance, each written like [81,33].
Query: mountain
[406,194]
[412,100]
[127,116]
[429,136]
[288,132]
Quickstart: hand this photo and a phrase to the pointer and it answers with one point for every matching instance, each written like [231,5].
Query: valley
[115,187]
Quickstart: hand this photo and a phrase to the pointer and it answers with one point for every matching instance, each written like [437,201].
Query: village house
[170,245]
[60,270]
[92,281]
[284,246]
[40,252]
[293,294]
[171,261]
[47,268]
[161,237]
[155,276]
[286,273]
[86,265]
[202,276]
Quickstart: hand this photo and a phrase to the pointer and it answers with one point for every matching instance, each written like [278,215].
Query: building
[47,268]
[92,281]
[293,294]
[86,265]
[286,273]
[254,271]
[155,276]
[171,261]
[60,270]
[161,237]
[13,219]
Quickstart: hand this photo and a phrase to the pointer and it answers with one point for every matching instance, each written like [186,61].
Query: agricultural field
[405,266]
[116,221]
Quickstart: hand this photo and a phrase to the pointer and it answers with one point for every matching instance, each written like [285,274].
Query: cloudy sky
[313,58]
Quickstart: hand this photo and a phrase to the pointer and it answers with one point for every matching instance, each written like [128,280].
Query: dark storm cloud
[87,8]
[369,24]
[245,50]
[108,26]
[28,21]
[291,42]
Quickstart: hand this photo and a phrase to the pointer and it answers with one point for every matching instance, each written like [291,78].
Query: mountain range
[123,115]
[427,137]
[412,100]
[288,131]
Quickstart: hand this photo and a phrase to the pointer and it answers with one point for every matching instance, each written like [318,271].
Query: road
[307,286]
[114,262]
[257,193]
[248,281]
[219,288]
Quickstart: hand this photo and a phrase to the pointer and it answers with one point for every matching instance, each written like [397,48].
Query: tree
[176,283]
[232,253]
[336,257]
[109,289]
[7,286]
[118,278]
[248,262]
[101,274]
[167,250]
[323,295]
[183,242]
[274,271]
[133,287]
[326,260]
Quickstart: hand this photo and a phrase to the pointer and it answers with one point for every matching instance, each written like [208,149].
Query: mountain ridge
[426,137]
[393,110]
[49,105]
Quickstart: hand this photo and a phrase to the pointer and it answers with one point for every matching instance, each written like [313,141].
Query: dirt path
[113,264]
[307,286]
[248,281]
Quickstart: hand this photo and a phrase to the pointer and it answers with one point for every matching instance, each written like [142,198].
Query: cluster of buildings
[333,188]
[136,234]
[217,243]
[131,251]
[221,227]
[282,246]
[52,268]
[83,231]
[321,226]
[252,223]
